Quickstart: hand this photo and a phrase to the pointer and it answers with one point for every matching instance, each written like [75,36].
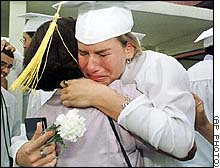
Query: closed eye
[82,53]
[104,54]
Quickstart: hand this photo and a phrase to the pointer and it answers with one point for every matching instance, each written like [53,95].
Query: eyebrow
[101,51]
[6,63]
[96,52]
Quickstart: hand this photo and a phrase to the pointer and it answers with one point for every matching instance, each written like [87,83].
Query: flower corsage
[69,127]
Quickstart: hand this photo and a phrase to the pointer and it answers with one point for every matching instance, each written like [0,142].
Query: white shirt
[164,115]
[36,99]
[14,124]
[201,82]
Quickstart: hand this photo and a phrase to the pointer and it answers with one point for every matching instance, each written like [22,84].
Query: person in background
[107,51]
[34,20]
[201,82]
[201,85]
[9,114]
[7,59]
[201,73]
[18,58]
[4,82]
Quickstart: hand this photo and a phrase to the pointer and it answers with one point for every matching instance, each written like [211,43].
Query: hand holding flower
[29,155]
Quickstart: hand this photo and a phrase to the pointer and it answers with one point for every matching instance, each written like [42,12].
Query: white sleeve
[18,62]
[164,115]
[16,143]
[16,117]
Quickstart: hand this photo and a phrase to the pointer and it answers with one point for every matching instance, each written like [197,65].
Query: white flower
[71,126]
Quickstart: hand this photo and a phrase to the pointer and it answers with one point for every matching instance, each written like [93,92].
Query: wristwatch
[126,102]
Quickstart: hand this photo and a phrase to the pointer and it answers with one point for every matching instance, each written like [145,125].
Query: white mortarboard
[139,36]
[35,20]
[207,36]
[101,20]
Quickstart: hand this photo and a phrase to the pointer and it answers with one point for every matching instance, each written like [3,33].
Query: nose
[24,45]
[92,65]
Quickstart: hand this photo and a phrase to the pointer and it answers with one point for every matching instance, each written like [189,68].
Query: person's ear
[129,50]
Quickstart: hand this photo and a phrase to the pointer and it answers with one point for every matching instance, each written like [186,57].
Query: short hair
[8,52]
[60,64]
[129,37]
[31,34]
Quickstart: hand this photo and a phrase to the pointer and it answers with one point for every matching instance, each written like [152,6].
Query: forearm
[206,131]
[109,102]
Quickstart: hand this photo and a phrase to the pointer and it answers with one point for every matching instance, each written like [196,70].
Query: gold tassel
[30,75]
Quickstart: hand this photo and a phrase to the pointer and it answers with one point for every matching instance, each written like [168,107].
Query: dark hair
[31,34]
[210,50]
[60,64]
[8,52]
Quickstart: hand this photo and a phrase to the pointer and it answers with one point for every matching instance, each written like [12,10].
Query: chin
[106,82]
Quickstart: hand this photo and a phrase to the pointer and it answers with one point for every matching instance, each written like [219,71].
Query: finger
[58,149]
[51,164]
[194,96]
[34,155]
[42,153]
[46,160]
[49,148]
[64,84]
[49,157]
[7,46]
[198,100]
[63,91]
[10,47]
[43,139]
[38,131]
[67,103]
[3,42]
[46,150]
[63,96]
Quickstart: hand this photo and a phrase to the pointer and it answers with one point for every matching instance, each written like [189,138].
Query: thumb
[3,42]
[38,131]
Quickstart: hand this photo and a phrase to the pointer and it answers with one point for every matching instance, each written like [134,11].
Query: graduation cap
[207,36]
[35,20]
[101,20]
[139,36]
